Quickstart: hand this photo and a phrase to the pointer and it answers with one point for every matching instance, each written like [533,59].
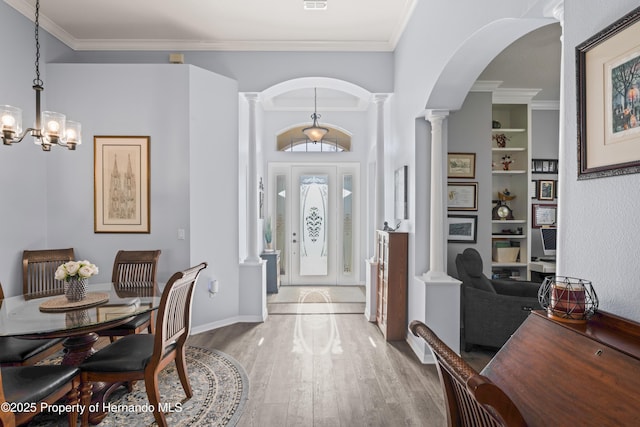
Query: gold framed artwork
[608,93]
[461,165]
[121,184]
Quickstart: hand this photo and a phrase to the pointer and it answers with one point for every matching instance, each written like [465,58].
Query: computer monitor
[548,235]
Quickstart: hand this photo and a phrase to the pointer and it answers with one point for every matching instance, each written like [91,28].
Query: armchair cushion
[492,310]
[42,381]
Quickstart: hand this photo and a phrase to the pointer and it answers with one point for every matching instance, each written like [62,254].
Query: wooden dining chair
[23,352]
[471,399]
[38,272]
[26,387]
[143,356]
[133,270]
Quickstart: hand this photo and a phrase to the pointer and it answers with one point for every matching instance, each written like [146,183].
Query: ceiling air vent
[314,5]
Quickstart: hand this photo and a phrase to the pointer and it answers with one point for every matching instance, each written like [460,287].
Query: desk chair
[472,400]
[143,356]
[21,351]
[134,269]
[30,385]
[38,272]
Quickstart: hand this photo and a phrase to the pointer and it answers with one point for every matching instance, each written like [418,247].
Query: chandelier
[315,132]
[51,128]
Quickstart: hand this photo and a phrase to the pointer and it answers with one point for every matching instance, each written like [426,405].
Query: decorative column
[379,100]
[437,241]
[371,277]
[441,292]
[252,181]
[252,277]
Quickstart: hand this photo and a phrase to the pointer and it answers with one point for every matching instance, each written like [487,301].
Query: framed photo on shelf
[608,92]
[461,165]
[544,165]
[121,184]
[462,228]
[546,190]
[462,196]
[543,215]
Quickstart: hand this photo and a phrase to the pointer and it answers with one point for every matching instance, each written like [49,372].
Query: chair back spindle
[39,269]
[135,268]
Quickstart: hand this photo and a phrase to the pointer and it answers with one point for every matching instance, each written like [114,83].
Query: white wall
[213,198]
[598,226]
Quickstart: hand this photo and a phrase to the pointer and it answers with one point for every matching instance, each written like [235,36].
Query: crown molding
[545,105]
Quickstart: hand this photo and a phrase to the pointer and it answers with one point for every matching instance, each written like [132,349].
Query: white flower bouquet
[76,270]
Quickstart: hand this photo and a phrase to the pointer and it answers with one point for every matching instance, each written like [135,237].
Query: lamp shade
[10,119]
[73,134]
[315,133]
[53,126]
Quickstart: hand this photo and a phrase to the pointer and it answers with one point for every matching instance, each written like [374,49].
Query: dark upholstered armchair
[492,310]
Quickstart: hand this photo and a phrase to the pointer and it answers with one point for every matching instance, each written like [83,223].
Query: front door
[314,226]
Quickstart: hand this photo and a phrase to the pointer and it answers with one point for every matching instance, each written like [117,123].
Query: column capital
[555,8]
[380,98]
[251,96]
[436,115]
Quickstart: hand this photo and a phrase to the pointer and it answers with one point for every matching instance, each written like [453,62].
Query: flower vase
[75,289]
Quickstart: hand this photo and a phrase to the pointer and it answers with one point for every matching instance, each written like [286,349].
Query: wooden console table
[572,374]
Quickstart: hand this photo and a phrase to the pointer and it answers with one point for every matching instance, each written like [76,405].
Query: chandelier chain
[37,81]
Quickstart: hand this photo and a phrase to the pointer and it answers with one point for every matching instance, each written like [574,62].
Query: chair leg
[181,367]
[73,397]
[85,400]
[152,323]
[153,394]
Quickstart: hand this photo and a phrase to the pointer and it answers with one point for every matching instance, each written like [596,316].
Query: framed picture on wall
[608,91]
[543,215]
[121,184]
[546,190]
[461,165]
[462,196]
[462,228]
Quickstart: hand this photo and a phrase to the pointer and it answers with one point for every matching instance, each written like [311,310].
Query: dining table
[106,305]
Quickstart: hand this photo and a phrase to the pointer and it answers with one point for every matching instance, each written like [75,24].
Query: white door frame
[338,270]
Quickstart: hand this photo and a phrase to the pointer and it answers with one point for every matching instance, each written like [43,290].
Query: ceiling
[277,25]
[247,25]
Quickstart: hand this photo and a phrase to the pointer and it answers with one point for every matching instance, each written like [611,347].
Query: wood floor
[329,370]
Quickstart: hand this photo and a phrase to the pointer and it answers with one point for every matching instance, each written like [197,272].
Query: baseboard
[226,322]
[421,349]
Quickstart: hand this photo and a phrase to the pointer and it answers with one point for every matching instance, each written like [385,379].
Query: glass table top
[24,317]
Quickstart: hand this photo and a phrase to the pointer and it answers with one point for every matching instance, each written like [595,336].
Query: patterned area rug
[220,388]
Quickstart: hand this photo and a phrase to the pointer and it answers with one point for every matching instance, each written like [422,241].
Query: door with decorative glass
[314,228]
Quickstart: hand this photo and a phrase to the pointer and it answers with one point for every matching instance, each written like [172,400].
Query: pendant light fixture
[50,128]
[315,132]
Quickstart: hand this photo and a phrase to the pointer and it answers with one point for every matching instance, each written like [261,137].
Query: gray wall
[469,131]
[598,225]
